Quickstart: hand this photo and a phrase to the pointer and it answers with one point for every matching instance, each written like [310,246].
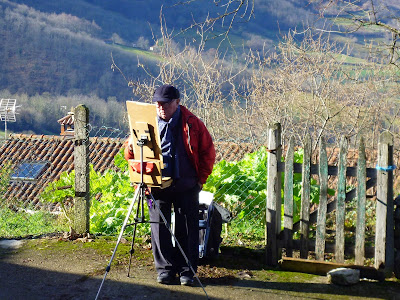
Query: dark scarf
[169,131]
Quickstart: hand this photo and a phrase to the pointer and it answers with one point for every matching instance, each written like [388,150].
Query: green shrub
[110,196]
[240,186]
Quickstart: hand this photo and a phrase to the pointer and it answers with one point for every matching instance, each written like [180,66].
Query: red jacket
[198,144]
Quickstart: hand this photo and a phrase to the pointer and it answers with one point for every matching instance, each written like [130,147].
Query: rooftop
[40,159]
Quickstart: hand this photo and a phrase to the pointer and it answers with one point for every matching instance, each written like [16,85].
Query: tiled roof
[57,151]
[232,151]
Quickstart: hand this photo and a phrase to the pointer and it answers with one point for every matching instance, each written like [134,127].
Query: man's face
[165,110]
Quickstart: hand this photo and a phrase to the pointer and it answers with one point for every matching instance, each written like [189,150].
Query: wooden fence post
[273,207]
[384,239]
[288,199]
[305,198]
[341,201]
[361,204]
[81,164]
[323,201]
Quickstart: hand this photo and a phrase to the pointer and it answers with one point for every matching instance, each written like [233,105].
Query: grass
[21,224]
[140,52]
[249,233]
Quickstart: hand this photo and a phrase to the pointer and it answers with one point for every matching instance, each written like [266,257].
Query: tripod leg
[119,238]
[132,250]
[176,241]
[134,231]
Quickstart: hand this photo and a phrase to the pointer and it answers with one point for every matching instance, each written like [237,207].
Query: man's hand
[130,143]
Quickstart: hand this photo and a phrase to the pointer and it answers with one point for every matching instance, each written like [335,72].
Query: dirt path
[50,268]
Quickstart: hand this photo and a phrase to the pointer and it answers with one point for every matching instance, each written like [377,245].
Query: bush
[110,196]
[240,186]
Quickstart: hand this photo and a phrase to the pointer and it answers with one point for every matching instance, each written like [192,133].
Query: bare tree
[207,82]
[309,84]
[312,85]
[227,12]
[377,20]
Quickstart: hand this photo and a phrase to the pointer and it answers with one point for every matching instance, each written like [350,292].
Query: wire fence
[37,171]
[238,182]
[36,166]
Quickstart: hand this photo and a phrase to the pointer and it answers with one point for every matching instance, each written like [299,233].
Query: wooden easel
[143,124]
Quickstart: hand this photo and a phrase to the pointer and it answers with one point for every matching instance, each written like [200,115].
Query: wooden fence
[380,177]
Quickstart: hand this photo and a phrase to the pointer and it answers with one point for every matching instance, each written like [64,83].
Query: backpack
[211,217]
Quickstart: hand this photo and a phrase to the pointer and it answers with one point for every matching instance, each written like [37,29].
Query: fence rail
[381,177]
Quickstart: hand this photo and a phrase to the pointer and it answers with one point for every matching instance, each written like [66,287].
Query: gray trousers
[168,258]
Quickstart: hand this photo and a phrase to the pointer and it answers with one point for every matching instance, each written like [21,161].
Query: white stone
[11,244]
[344,276]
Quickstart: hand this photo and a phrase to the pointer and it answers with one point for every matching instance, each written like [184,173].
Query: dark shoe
[186,280]
[165,278]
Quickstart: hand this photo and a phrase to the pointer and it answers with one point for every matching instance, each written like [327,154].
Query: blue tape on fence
[386,169]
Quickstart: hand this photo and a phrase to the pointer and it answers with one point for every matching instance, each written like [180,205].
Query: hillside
[58,53]
[63,48]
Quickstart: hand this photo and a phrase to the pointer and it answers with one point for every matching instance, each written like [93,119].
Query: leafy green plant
[240,186]
[60,192]
[110,194]
[108,210]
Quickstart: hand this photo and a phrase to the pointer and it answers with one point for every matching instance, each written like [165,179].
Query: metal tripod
[143,193]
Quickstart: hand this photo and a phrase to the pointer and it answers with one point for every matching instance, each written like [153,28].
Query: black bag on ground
[211,217]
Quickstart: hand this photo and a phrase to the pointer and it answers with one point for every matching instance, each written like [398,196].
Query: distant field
[144,53]
[347,22]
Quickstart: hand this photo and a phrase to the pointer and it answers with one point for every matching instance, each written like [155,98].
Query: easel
[148,148]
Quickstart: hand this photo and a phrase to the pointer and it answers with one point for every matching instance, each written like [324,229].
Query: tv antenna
[7,112]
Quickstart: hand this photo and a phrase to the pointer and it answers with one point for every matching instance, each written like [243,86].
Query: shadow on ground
[22,282]
[55,269]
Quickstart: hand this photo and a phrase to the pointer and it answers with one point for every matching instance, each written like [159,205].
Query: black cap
[165,93]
